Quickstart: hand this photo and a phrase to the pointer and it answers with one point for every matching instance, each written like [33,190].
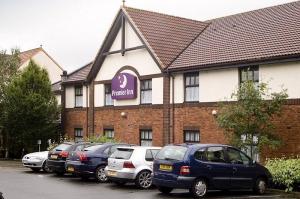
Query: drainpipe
[173,109]
[87,109]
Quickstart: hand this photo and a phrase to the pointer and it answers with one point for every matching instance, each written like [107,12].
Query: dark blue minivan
[200,167]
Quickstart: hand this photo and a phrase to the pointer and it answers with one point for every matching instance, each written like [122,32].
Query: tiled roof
[252,36]
[79,74]
[56,86]
[26,55]
[166,35]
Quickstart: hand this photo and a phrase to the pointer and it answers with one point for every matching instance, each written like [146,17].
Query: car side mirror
[253,162]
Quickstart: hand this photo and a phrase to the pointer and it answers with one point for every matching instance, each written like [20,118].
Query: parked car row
[196,167]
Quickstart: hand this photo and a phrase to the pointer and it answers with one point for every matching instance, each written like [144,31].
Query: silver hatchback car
[132,164]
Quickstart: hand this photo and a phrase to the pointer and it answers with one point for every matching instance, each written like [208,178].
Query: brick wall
[187,116]
[127,129]
[75,118]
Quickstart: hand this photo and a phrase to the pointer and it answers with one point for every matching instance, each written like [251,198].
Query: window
[237,157]
[200,154]
[146,91]
[78,96]
[215,154]
[108,100]
[191,136]
[192,87]
[248,138]
[146,138]
[250,73]
[109,133]
[78,134]
[150,154]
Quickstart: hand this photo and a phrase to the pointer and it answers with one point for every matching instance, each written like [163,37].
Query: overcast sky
[71,31]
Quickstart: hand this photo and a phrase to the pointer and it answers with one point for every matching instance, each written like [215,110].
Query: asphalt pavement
[17,182]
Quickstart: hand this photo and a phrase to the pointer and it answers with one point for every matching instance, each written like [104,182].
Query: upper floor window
[78,96]
[146,138]
[192,87]
[109,133]
[78,134]
[146,91]
[250,73]
[108,100]
[191,136]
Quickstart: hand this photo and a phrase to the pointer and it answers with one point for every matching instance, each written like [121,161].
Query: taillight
[82,156]
[64,154]
[184,170]
[128,164]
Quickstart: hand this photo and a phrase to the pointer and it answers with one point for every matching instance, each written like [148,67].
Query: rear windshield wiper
[119,158]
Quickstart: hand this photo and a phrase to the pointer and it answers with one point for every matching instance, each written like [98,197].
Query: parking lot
[17,182]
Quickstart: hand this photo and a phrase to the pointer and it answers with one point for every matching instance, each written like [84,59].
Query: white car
[132,164]
[36,161]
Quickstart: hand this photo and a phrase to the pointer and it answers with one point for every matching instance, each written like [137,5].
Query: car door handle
[209,167]
[234,169]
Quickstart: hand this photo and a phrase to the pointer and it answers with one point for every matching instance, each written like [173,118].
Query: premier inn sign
[124,86]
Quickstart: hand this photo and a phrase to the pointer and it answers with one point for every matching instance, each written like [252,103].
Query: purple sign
[123,86]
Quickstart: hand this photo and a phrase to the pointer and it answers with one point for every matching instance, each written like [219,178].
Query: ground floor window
[146,137]
[248,149]
[191,136]
[109,133]
[78,134]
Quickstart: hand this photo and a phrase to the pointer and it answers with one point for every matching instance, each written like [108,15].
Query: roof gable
[26,55]
[268,33]
[164,36]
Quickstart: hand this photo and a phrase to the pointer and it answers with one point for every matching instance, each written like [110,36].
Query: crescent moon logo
[124,83]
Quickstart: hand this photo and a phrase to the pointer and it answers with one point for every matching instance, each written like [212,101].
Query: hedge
[285,172]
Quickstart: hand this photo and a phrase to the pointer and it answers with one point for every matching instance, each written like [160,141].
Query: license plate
[70,169]
[54,156]
[112,173]
[165,167]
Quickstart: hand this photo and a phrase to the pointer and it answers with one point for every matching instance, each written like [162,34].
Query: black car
[201,167]
[58,156]
[91,161]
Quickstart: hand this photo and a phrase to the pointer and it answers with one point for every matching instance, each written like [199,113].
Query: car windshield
[93,148]
[62,147]
[122,153]
[171,153]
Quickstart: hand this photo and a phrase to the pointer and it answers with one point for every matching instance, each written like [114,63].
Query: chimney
[64,76]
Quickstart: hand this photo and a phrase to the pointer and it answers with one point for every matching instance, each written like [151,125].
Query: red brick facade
[186,117]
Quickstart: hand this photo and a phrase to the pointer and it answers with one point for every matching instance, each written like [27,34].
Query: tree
[8,69]
[248,121]
[31,109]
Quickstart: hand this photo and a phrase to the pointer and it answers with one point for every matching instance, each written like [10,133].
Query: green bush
[285,172]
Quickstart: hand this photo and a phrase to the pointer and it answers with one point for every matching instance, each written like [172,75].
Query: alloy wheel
[144,179]
[100,174]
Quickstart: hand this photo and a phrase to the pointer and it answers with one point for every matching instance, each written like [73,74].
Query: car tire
[100,174]
[144,180]
[260,186]
[199,188]
[46,168]
[35,169]
[164,190]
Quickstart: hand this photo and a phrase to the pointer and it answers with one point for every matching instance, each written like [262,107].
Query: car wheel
[199,188]
[260,186]
[35,169]
[46,168]
[144,179]
[165,190]
[100,174]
